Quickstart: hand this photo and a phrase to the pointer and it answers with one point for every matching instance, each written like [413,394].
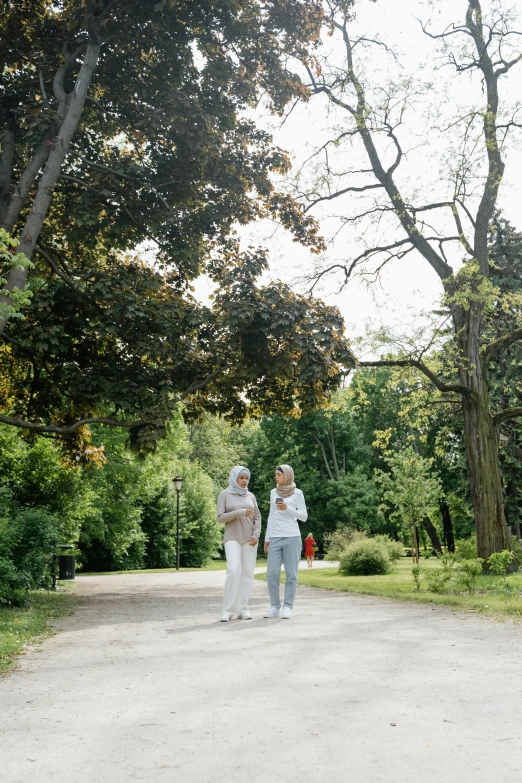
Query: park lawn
[214,565]
[19,626]
[490,597]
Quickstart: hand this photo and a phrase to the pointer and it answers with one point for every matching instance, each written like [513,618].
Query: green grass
[214,565]
[490,597]
[19,626]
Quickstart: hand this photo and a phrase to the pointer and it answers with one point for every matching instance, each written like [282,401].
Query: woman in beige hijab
[283,540]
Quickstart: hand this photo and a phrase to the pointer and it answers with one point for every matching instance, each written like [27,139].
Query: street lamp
[178,481]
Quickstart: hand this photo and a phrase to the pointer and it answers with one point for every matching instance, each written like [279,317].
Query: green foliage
[120,515]
[466,548]
[395,549]
[365,557]
[201,533]
[134,521]
[165,152]
[416,572]
[410,490]
[437,580]
[448,561]
[339,540]
[9,259]
[488,599]
[470,570]
[500,563]
[216,445]
[28,541]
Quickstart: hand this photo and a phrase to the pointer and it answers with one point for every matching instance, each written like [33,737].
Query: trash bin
[66,564]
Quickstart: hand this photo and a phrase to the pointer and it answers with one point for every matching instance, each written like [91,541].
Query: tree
[124,122]
[398,406]
[486,49]
[410,492]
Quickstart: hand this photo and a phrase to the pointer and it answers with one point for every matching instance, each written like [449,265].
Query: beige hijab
[286,489]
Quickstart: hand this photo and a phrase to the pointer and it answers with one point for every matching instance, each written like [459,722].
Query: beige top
[231,512]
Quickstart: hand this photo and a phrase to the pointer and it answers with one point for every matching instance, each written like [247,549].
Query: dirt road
[142,683]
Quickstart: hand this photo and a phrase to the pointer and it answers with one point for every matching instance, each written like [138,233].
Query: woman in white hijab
[237,510]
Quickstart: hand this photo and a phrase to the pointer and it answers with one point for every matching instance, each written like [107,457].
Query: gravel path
[142,683]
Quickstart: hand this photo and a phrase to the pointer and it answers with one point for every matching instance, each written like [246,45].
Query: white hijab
[233,486]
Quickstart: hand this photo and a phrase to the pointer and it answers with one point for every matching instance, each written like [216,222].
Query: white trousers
[241,563]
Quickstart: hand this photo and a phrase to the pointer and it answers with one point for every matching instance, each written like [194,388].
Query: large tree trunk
[432,533]
[481,442]
[447,526]
[513,509]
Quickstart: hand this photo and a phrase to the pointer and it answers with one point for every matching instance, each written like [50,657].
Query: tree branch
[502,343]
[323,452]
[67,280]
[384,176]
[196,386]
[341,193]
[53,428]
[441,386]
[334,454]
[508,413]
[24,184]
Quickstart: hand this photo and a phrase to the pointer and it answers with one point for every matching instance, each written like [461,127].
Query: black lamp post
[178,481]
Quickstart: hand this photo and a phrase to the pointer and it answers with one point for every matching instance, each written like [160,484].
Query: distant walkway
[303,565]
[143,684]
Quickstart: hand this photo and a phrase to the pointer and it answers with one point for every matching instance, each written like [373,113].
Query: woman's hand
[253,541]
[250,513]
[265,546]
[282,506]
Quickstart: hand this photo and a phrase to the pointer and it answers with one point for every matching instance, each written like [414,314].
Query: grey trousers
[281,551]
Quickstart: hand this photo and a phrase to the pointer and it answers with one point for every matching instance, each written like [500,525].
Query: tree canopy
[126,123]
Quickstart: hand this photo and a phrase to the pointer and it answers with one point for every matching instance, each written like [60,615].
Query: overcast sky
[408,285]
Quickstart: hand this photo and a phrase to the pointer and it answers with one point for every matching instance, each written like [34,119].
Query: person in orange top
[309,544]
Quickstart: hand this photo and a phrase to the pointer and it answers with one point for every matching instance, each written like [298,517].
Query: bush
[448,561]
[394,548]
[416,572]
[365,557]
[338,541]
[28,541]
[437,580]
[466,548]
[470,569]
[499,563]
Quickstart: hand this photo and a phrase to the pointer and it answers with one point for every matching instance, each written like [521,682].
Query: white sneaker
[245,615]
[225,617]
[287,613]
[274,611]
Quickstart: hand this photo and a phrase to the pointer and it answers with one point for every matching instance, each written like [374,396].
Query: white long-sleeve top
[284,524]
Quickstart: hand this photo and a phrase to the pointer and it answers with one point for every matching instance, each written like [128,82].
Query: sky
[407,286]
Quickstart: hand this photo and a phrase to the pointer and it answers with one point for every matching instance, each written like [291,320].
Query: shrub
[469,570]
[416,572]
[448,561]
[437,580]
[365,557]
[338,541]
[394,548]
[28,540]
[466,548]
[499,563]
